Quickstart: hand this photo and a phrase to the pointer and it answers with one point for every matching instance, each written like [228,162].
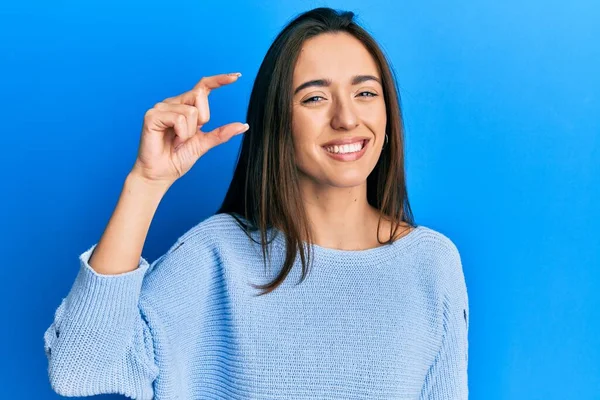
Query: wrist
[135,182]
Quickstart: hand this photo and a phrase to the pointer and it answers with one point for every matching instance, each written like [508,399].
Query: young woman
[319,183]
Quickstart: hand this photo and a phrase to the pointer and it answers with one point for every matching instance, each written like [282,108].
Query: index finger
[209,83]
[198,96]
[204,86]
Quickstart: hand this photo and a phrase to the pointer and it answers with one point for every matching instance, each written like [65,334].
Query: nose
[344,116]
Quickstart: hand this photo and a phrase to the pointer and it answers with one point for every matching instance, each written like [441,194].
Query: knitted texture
[384,323]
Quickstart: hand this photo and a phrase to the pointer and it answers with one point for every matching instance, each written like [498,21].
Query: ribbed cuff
[104,300]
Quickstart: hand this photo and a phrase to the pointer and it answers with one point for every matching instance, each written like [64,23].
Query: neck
[340,218]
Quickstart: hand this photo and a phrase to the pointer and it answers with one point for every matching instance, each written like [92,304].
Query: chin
[347,180]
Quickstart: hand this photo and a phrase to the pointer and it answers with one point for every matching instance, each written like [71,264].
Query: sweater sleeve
[446,378]
[100,341]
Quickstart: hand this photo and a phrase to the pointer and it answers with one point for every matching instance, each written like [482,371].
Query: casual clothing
[384,323]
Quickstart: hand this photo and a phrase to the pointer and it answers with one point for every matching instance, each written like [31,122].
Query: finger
[209,83]
[203,142]
[223,133]
[198,96]
[161,121]
[190,113]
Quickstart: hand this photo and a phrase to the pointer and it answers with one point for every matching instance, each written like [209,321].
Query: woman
[319,182]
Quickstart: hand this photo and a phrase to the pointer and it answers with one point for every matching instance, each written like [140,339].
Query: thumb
[202,142]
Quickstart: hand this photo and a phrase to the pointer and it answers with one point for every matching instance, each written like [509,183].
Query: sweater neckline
[376,255]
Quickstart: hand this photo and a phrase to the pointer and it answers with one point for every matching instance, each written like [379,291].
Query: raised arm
[101,338]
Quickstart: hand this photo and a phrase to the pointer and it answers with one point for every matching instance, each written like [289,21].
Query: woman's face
[342,101]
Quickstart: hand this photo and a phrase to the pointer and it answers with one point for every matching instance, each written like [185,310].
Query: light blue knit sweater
[383,323]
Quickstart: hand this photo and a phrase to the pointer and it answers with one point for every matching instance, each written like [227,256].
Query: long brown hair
[264,189]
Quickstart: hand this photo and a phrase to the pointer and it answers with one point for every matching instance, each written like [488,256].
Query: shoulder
[445,259]
[195,256]
[201,241]
[431,241]
[210,231]
[438,243]
[446,271]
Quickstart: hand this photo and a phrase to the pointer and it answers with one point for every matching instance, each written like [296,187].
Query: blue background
[502,106]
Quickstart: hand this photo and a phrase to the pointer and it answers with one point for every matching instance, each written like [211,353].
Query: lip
[348,156]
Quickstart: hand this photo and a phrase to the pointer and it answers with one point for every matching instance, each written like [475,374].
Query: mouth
[347,152]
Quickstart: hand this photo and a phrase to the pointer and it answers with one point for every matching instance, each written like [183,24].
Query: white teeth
[346,148]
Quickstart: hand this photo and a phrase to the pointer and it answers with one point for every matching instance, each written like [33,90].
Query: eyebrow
[327,82]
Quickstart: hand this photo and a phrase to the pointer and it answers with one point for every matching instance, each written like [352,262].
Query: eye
[368,93]
[311,99]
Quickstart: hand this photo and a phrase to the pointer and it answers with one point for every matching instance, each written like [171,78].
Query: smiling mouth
[347,148]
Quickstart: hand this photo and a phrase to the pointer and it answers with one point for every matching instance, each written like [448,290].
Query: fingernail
[238,74]
[246,127]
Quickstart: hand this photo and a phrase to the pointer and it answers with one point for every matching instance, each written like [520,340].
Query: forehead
[333,55]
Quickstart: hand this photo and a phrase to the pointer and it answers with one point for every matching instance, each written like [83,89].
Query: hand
[171,140]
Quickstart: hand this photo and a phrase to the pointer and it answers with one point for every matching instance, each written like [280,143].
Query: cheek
[306,129]
[375,118]
[304,149]
[306,119]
